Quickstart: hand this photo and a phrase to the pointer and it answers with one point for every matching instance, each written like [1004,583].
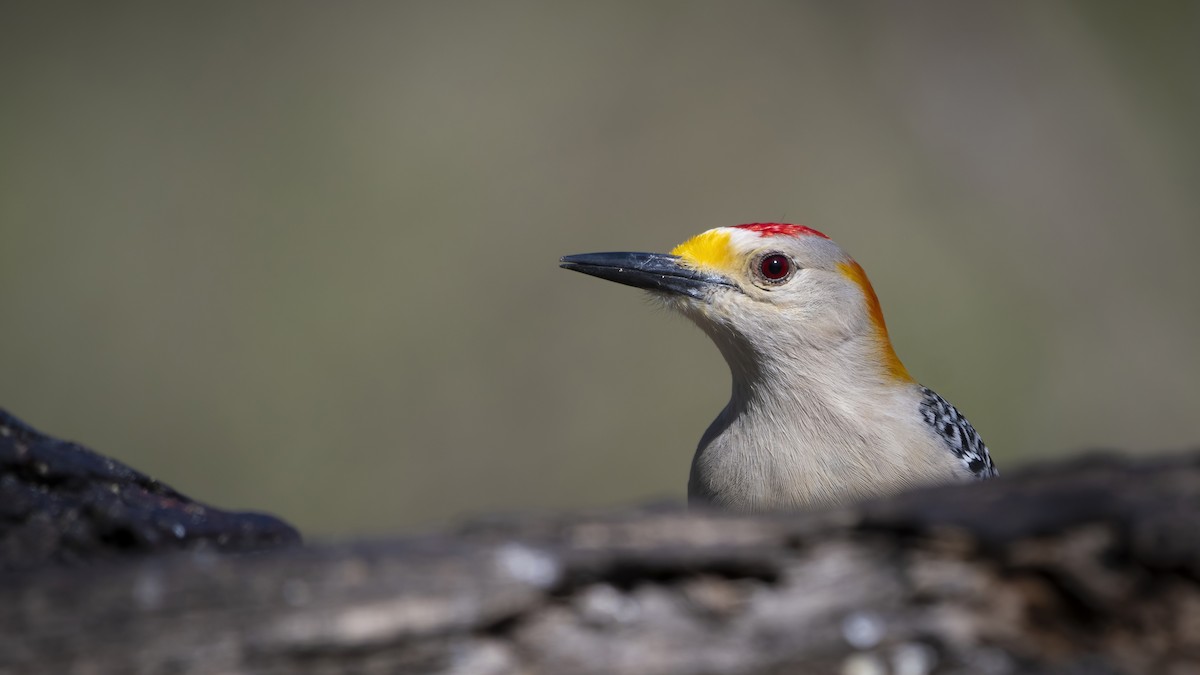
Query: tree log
[1088,566]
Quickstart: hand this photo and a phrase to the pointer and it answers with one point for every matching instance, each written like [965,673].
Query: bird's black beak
[652,271]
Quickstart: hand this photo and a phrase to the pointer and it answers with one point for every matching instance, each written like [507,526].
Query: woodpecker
[822,410]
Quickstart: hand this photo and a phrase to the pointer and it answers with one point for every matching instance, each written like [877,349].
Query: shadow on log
[1091,566]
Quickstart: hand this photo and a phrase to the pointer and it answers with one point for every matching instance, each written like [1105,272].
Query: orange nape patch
[776,229]
[709,250]
[854,272]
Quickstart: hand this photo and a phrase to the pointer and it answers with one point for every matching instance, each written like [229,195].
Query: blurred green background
[301,257]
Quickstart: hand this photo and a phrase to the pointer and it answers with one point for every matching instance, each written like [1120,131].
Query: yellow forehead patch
[708,251]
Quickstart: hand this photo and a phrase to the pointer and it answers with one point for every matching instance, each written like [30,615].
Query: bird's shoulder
[957,433]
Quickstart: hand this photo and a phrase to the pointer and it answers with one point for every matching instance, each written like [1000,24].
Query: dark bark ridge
[61,503]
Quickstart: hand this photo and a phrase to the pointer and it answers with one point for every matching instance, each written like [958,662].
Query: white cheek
[818,305]
[811,308]
[722,308]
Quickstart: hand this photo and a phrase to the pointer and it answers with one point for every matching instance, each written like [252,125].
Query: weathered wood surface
[1086,567]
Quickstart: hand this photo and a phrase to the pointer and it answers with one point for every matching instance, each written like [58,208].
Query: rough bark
[62,504]
[1091,566]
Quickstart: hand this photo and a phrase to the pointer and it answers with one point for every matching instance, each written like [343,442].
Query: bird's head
[776,290]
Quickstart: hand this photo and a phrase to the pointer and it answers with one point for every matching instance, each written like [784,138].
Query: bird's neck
[804,376]
[800,425]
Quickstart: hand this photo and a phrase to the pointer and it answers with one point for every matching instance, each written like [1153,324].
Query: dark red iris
[775,267]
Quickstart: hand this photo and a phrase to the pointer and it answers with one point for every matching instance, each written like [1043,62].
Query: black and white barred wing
[960,437]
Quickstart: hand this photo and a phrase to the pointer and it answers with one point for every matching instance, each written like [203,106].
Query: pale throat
[806,377]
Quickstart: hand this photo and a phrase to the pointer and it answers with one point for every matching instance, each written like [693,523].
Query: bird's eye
[775,267]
